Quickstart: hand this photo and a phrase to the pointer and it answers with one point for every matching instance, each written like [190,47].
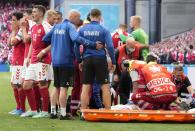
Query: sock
[63,111]
[22,98]
[16,95]
[31,99]
[45,98]
[37,97]
[53,110]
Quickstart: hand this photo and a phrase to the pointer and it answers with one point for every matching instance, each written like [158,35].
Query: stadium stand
[177,49]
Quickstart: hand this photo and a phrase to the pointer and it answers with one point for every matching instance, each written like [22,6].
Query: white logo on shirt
[59,32]
[153,68]
[91,33]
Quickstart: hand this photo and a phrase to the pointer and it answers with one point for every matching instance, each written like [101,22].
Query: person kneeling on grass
[186,96]
[159,91]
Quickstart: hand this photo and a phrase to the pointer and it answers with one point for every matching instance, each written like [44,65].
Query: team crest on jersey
[153,68]
[39,31]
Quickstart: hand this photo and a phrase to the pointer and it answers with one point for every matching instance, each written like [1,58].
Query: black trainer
[53,116]
[67,117]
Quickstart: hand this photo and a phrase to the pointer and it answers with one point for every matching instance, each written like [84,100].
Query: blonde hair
[137,18]
[50,13]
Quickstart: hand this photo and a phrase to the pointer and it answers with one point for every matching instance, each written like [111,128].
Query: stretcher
[137,115]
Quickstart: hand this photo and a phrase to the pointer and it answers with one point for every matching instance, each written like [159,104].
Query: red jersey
[37,33]
[116,39]
[158,79]
[27,44]
[19,36]
[18,54]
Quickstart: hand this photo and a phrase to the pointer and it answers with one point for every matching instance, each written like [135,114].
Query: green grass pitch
[15,123]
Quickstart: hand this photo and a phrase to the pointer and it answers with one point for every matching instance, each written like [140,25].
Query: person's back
[94,59]
[62,45]
[94,32]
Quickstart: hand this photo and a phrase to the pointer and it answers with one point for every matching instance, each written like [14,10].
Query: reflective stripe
[74,101]
[74,107]
[140,102]
[164,95]
[145,105]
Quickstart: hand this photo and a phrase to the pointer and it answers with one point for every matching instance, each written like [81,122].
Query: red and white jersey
[37,33]
[19,36]
[158,79]
[18,54]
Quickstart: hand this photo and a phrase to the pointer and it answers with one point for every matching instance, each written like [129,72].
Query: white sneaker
[41,115]
[191,110]
[28,114]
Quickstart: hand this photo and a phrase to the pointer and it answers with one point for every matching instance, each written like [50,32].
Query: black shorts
[63,76]
[95,68]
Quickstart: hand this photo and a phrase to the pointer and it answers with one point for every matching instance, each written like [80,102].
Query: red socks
[37,97]
[16,95]
[31,99]
[45,98]
[22,98]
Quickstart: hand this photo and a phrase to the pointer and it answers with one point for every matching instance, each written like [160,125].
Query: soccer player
[51,17]
[39,68]
[94,59]
[58,18]
[17,63]
[62,38]
[139,34]
[117,40]
[25,34]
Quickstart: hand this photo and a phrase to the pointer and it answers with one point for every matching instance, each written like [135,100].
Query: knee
[27,85]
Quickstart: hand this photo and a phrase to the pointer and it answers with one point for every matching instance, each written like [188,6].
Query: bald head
[74,16]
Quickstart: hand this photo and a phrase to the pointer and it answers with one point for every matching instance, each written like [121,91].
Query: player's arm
[29,55]
[109,46]
[189,86]
[14,39]
[26,36]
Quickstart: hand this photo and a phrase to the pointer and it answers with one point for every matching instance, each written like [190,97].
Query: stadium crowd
[179,49]
[47,48]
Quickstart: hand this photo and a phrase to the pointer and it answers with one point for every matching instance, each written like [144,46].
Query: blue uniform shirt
[95,32]
[62,38]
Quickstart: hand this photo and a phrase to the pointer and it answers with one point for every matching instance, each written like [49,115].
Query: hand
[23,23]
[27,62]
[113,92]
[126,63]
[40,55]
[14,26]
[113,68]
[80,66]
[99,45]
[116,78]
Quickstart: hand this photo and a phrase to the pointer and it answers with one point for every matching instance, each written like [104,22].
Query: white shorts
[24,68]
[51,77]
[38,72]
[16,77]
